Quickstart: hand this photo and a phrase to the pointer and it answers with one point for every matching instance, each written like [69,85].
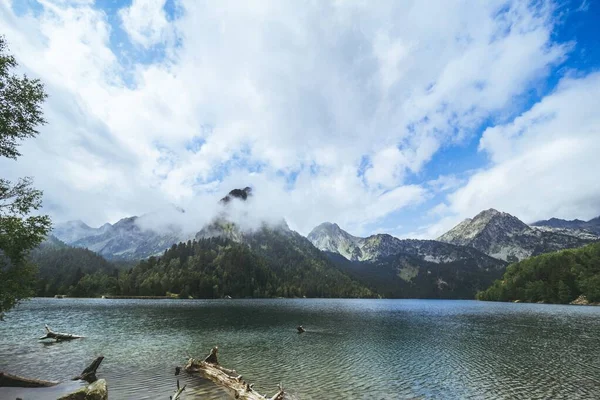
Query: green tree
[21,99]
[558,277]
[564,293]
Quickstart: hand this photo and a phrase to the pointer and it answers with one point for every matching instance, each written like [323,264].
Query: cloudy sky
[402,117]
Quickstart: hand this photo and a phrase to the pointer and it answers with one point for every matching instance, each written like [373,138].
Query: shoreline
[109,297]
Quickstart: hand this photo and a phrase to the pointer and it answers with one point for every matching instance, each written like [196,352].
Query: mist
[188,218]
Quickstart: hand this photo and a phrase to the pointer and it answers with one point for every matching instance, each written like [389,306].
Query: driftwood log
[89,374]
[8,380]
[50,334]
[229,378]
[95,390]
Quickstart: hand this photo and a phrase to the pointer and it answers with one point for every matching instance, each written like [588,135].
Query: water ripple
[353,349]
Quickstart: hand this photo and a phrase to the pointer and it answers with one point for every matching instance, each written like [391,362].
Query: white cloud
[388,168]
[145,21]
[545,162]
[445,183]
[288,90]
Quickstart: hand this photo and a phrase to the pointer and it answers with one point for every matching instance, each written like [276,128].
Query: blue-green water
[353,349]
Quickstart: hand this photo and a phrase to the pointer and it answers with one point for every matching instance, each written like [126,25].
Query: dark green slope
[61,268]
[268,264]
[407,276]
[558,277]
[296,261]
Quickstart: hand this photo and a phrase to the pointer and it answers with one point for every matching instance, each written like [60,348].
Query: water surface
[353,349]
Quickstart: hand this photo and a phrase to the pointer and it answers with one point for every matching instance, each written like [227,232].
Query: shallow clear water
[353,349]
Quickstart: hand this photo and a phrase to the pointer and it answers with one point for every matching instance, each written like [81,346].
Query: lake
[353,349]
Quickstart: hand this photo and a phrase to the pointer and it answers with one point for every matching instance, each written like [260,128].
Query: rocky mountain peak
[490,212]
[327,227]
[241,194]
[331,238]
[232,227]
[489,222]
[506,237]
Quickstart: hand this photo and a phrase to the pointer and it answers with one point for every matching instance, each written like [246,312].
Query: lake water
[353,349]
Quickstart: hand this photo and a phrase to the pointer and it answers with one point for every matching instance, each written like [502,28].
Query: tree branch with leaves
[21,229]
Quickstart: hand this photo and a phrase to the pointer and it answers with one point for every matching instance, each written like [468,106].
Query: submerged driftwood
[229,378]
[50,334]
[95,390]
[178,391]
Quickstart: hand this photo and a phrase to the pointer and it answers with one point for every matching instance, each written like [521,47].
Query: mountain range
[466,259]
[406,267]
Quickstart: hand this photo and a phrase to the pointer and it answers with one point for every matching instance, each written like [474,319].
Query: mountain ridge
[593,225]
[408,267]
[503,236]
[383,245]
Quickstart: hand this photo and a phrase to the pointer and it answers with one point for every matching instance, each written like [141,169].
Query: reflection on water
[353,349]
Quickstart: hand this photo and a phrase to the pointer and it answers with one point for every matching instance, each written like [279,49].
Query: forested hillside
[558,277]
[217,267]
[272,265]
[406,276]
[66,270]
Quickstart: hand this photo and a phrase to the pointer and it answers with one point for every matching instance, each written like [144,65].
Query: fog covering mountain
[136,238]
[503,236]
[126,240]
[406,267]
[72,231]
[593,225]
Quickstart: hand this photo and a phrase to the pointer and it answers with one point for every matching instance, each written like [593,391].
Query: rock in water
[95,391]
[580,301]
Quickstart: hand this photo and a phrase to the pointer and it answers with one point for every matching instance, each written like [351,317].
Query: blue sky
[385,117]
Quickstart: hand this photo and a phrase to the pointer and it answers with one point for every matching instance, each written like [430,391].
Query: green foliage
[217,267]
[72,271]
[207,268]
[558,277]
[404,276]
[15,283]
[21,99]
[20,232]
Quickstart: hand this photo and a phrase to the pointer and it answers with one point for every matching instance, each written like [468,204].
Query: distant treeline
[206,268]
[558,277]
[272,264]
[62,269]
